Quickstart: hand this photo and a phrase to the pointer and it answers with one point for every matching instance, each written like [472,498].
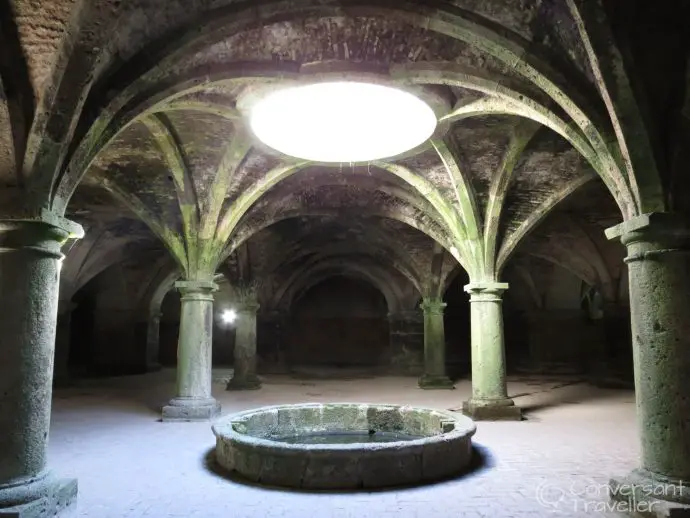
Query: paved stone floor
[555,463]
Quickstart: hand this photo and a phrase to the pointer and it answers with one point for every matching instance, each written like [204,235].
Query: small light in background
[228,316]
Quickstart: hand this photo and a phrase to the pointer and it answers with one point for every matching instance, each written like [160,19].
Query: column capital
[650,235]
[655,226]
[432,305]
[247,306]
[44,236]
[246,293]
[486,291]
[196,289]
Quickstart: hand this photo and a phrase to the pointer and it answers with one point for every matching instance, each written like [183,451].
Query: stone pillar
[29,276]
[434,346]
[153,342]
[272,341]
[194,401]
[597,361]
[489,399]
[244,373]
[63,338]
[658,261]
[406,337]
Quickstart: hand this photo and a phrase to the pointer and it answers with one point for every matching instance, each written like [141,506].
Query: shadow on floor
[482,460]
[558,395]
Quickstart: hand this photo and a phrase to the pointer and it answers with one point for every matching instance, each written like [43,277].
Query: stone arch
[302,280]
[347,329]
[452,23]
[395,260]
[158,288]
[252,227]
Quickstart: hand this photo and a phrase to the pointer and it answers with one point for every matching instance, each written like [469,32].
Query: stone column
[29,275]
[63,335]
[406,337]
[434,346]
[194,401]
[153,341]
[659,274]
[489,399]
[271,340]
[244,374]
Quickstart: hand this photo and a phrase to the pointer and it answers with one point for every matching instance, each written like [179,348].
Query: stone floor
[555,463]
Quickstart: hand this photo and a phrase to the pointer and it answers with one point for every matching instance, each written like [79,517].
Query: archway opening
[341,322]
[456,319]
[82,332]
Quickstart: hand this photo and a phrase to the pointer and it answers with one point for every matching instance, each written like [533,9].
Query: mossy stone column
[244,375]
[659,274]
[489,399]
[194,401]
[29,276]
[434,346]
[272,338]
[406,338]
[153,342]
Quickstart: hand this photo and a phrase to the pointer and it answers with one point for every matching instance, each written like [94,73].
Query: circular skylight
[342,121]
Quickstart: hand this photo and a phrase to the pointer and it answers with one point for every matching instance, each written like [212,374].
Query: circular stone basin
[343,445]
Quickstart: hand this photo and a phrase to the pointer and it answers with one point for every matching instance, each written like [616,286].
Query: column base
[645,495]
[153,367]
[191,409]
[492,410]
[250,383]
[47,498]
[428,382]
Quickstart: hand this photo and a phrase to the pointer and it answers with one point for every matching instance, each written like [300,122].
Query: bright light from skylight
[342,121]
[228,316]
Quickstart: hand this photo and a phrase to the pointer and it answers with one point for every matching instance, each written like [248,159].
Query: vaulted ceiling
[126,116]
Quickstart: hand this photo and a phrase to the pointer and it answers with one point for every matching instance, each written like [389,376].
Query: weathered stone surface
[82,84]
[57,496]
[658,266]
[434,376]
[244,373]
[489,392]
[29,259]
[194,401]
[250,444]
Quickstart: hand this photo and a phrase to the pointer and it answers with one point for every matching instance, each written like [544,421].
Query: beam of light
[342,121]
[228,316]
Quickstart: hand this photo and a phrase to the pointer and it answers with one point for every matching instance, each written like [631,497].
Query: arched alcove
[82,332]
[339,322]
[554,330]
[456,318]
[169,328]
[108,333]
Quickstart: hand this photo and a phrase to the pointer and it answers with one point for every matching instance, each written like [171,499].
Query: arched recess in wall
[338,321]
[108,335]
[162,283]
[456,319]
[553,331]
[363,269]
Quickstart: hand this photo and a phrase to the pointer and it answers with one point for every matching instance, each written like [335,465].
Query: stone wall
[340,322]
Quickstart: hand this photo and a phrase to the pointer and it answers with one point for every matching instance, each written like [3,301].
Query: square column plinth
[190,409]
[51,498]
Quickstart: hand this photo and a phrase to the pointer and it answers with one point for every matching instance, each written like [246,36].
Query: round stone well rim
[223,428]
